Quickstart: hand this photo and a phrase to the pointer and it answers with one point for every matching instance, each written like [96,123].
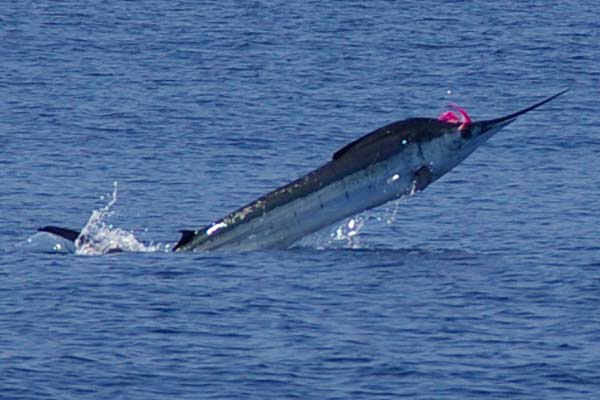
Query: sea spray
[100,237]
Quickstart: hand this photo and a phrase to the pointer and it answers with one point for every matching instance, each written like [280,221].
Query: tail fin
[66,233]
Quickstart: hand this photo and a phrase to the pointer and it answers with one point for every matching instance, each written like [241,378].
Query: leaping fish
[395,160]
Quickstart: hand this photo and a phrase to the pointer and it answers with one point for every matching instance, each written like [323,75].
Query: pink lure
[450,116]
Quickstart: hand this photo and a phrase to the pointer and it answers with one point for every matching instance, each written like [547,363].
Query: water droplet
[393,178]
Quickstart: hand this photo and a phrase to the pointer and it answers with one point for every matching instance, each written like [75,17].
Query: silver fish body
[393,161]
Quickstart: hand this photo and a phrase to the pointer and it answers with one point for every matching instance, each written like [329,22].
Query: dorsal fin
[186,237]
[345,149]
[69,234]
[367,140]
[362,142]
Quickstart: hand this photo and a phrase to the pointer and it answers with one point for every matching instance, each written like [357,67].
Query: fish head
[460,136]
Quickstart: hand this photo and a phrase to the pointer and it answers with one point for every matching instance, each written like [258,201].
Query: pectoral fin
[423,177]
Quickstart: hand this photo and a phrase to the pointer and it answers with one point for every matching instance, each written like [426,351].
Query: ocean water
[139,119]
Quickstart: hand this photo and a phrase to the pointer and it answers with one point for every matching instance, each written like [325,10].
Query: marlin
[396,160]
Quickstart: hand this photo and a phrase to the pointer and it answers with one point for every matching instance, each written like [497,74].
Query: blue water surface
[486,285]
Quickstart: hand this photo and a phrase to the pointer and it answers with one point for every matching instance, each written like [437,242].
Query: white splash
[390,211]
[347,234]
[413,189]
[98,237]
